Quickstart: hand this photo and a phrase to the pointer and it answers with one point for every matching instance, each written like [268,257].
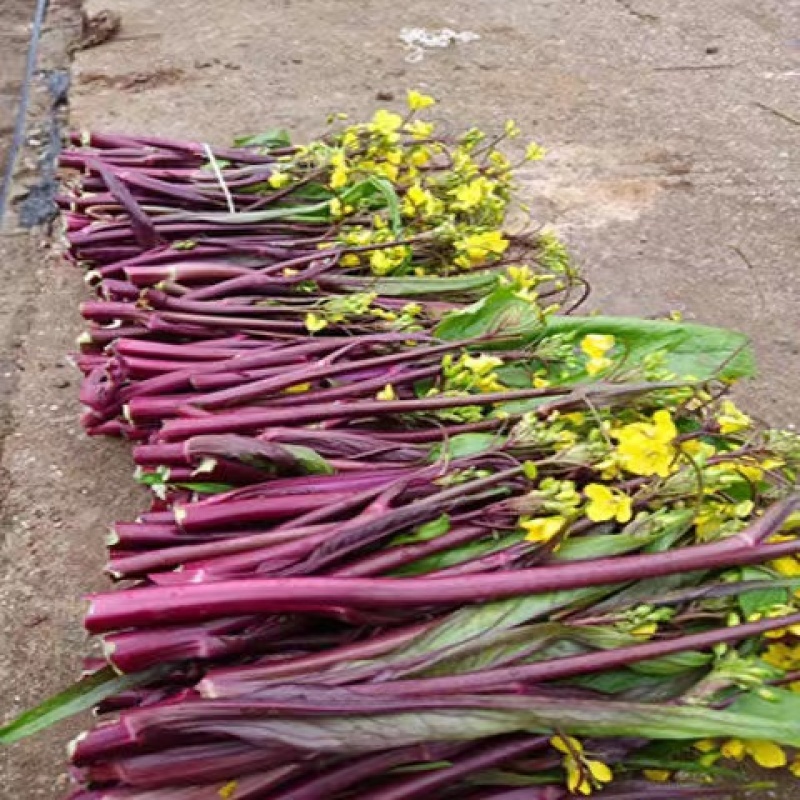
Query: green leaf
[782,710]
[157,478]
[458,555]
[515,376]
[500,313]
[699,351]
[425,766]
[616,681]
[206,487]
[389,195]
[309,460]
[313,191]
[760,600]
[419,287]
[468,623]
[673,664]
[270,139]
[430,530]
[81,696]
[463,445]
[587,547]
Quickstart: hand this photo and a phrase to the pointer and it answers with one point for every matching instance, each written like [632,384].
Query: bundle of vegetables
[413,534]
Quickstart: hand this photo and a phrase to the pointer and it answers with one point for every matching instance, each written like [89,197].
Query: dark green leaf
[760,600]
[586,547]
[205,487]
[81,696]
[514,376]
[430,530]
[699,351]
[674,664]
[463,445]
[458,555]
[419,287]
[615,681]
[500,313]
[470,622]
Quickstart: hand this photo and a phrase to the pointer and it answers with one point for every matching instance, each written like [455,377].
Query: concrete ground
[672,128]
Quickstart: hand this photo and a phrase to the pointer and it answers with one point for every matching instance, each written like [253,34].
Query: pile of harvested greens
[417,529]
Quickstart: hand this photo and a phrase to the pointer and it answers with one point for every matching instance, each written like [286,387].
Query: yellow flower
[607,503]
[732,420]
[501,164]
[394,156]
[788,566]
[712,517]
[542,529]
[782,656]
[534,152]
[419,199]
[298,388]
[481,364]
[314,323]
[511,129]
[795,766]
[645,630]
[338,208]
[477,247]
[350,260]
[468,195]
[386,122]
[386,170]
[279,179]
[382,313]
[520,278]
[417,101]
[420,156]
[338,178]
[597,365]
[659,775]
[583,774]
[645,448]
[227,791]
[764,753]
[387,393]
[419,129]
[698,450]
[596,345]
[385,261]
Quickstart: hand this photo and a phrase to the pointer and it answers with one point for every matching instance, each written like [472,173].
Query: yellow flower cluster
[472,374]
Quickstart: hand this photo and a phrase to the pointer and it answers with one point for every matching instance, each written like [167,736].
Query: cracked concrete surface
[672,128]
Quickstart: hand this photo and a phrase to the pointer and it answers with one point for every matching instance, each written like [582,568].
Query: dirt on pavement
[672,128]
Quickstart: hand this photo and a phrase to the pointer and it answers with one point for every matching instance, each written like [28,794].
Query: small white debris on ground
[417,40]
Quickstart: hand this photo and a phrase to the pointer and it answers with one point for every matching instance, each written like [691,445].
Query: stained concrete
[672,128]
